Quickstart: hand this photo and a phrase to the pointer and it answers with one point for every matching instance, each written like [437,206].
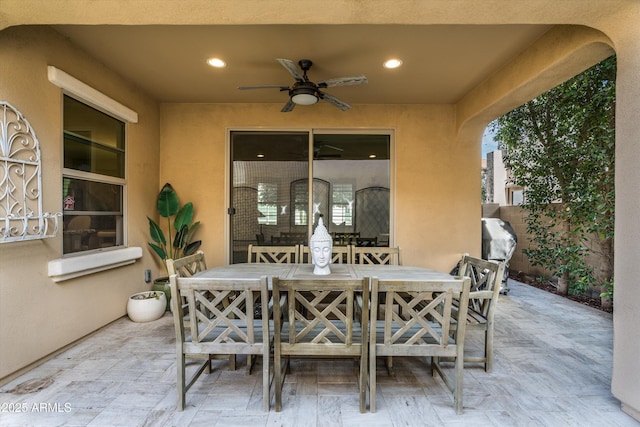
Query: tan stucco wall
[38,316]
[558,55]
[437,190]
[626,315]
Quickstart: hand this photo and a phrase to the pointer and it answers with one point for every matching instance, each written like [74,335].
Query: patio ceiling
[441,62]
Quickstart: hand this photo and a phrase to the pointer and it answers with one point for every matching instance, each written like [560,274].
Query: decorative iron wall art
[21,215]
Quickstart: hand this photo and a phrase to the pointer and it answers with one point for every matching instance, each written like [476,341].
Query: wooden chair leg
[372,379]
[363,376]
[277,378]
[266,385]
[180,385]
[362,383]
[458,384]
[389,364]
[209,365]
[488,349]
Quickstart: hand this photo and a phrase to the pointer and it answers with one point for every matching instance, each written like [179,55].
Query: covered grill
[498,243]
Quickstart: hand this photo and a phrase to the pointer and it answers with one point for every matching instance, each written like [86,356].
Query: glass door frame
[311,131]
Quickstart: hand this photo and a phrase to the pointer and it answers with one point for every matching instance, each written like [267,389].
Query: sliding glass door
[264,210]
[269,197]
[356,167]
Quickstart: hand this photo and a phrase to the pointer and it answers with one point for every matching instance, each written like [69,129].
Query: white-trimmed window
[99,174]
[93,178]
[268,203]
[342,204]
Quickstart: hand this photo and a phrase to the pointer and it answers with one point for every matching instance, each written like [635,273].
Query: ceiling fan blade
[344,81]
[288,106]
[335,101]
[333,147]
[291,68]
[281,87]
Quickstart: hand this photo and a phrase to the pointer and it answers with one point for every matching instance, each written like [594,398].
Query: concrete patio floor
[553,368]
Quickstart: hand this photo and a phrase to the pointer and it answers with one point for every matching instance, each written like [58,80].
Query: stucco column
[626,348]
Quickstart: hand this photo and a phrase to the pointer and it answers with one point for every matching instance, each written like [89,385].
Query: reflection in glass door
[270,188]
[357,168]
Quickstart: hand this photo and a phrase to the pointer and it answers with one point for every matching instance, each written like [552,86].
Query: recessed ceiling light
[392,63]
[216,62]
[260,155]
[372,156]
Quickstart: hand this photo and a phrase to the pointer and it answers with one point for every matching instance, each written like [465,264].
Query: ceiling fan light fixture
[304,98]
[306,92]
[392,63]
[216,62]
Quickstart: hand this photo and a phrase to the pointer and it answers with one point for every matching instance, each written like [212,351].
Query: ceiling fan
[319,151]
[306,92]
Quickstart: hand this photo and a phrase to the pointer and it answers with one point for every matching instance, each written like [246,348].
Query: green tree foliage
[560,148]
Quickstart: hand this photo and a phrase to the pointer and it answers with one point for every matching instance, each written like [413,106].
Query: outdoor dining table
[338,271]
[317,315]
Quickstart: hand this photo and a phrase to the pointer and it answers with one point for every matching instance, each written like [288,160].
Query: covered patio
[553,367]
[178,115]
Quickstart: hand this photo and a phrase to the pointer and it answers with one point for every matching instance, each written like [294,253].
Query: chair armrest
[481,295]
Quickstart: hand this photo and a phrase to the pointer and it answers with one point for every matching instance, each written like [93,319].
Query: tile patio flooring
[553,368]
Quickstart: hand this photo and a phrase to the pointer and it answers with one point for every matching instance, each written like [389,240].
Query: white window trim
[76,266]
[90,95]
[69,268]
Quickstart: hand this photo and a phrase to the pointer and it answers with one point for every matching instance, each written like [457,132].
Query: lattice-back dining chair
[322,318]
[186,267]
[486,280]
[272,254]
[375,255]
[339,254]
[215,328]
[416,321]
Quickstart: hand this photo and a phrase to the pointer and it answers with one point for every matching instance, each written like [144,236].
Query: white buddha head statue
[321,244]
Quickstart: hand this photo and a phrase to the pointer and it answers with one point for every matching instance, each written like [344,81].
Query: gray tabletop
[338,271]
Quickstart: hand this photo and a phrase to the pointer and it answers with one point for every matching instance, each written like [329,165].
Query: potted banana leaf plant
[180,227]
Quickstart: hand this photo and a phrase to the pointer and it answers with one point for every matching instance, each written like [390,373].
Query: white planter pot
[148,309]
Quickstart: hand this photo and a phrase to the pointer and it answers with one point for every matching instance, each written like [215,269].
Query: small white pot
[148,309]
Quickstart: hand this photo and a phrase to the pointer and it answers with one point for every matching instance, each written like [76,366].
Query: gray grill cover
[498,239]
